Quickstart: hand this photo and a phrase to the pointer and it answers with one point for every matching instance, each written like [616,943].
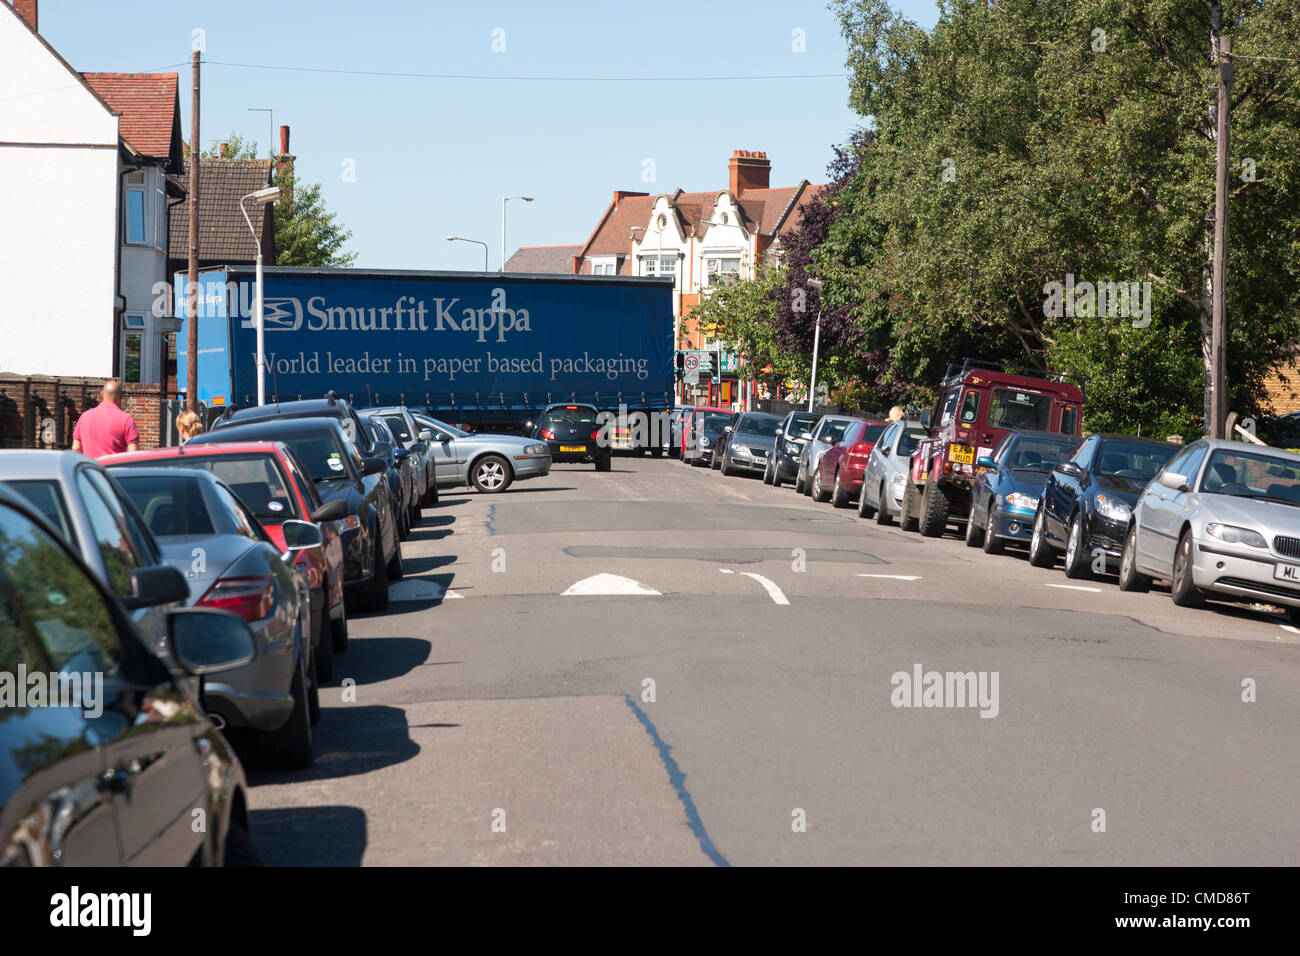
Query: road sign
[693,363]
[692,377]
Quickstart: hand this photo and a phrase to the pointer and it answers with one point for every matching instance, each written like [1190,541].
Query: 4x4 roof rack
[956,372]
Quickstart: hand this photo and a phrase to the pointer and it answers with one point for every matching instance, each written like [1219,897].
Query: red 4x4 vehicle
[978,405]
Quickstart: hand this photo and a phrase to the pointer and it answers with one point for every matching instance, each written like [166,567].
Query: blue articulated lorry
[486,350]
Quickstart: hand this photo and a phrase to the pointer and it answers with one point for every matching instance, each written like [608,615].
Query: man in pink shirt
[106,429]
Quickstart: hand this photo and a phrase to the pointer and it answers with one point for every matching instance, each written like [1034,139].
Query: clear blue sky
[434,156]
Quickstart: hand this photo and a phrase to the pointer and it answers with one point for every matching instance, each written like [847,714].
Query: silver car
[402,424]
[490,463]
[1223,518]
[828,430]
[885,477]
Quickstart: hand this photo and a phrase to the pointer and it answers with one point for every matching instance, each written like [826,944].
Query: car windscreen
[397,425]
[911,438]
[834,428]
[576,415]
[1252,475]
[320,454]
[46,496]
[1134,460]
[171,505]
[256,480]
[801,423]
[1040,454]
[763,427]
[714,421]
[1020,410]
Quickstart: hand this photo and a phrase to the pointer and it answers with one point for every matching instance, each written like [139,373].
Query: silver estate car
[1221,518]
[885,475]
[490,463]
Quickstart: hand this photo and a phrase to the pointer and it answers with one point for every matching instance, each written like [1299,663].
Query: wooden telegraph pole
[1219,328]
[192,300]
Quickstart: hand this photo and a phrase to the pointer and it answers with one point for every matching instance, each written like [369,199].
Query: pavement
[658,665]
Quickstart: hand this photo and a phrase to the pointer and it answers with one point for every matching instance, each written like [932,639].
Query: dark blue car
[1005,496]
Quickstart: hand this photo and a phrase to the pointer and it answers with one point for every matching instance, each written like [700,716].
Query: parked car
[1088,500]
[828,430]
[795,429]
[372,553]
[1221,519]
[677,428]
[575,433]
[331,406]
[838,478]
[270,480]
[402,480]
[1005,494]
[885,477]
[118,787]
[91,513]
[703,432]
[489,463]
[401,422]
[231,564]
[750,444]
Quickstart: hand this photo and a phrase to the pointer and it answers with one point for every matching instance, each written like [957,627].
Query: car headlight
[535,450]
[704,441]
[1113,508]
[1018,500]
[1234,535]
[792,448]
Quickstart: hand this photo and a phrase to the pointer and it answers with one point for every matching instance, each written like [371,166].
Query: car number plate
[1287,572]
[573,448]
[963,454]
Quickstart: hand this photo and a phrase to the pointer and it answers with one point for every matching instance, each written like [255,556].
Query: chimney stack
[27,10]
[284,164]
[748,170]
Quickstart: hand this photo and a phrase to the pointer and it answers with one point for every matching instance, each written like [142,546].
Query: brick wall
[27,401]
[1282,388]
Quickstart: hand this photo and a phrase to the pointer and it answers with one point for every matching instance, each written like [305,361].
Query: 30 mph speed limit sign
[692,363]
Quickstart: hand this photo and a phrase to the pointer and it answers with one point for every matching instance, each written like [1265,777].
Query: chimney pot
[27,10]
[284,140]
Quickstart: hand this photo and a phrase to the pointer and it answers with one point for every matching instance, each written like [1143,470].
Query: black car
[575,433]
[1088,499]
[115,776]
[750,444]
[331,406]
[401,422]
[708,431]
[401,472]
[372,551]
[789,446]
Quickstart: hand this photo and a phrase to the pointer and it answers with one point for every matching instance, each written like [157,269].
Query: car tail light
[595,436]
[862,449]
[548,434]
[252,598]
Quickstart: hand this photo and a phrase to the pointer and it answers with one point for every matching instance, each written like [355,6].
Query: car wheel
[1130,578]
[324,655]
[907,519]
[239,849]
[1040,552]
[934,510]
[395,569]
[839,497]
[415,517]
[865,510]
[767,474]
[818,493]
[605,463]
[313,692]
[1184,590]
[1076,553]
[882,513]
[799,481]
[375,597]
[718,458]
[289,747]
[491,474]
[727,470]
[399,521]
[339,631]
[992,543]
[777,481]
[974,530]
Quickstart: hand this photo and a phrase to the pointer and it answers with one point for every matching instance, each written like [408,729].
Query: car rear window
[569,416]
[1040,454]
[1139,462]
[47,498]
[715,420]
[255,479]
[320,455]
[171,506]
[911,438]
[834,428]
[397,425]
[871,433]
[765,427]
[1019,410]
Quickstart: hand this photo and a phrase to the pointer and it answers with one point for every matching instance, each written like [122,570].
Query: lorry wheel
[1076,555]
[1040,552]
[1183,589]
[839,497]
[1130,578]
[375,595]
[907,518]
[992,543]
[491,474]
[934,510]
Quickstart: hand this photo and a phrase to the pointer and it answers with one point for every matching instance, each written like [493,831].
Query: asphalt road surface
[658,665]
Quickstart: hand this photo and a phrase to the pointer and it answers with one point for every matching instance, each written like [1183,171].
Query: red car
[839,472]
[271,482]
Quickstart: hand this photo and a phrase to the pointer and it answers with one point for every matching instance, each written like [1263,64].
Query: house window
[606,268]
[132,347]
[135,216]
[720,270]
[659,266]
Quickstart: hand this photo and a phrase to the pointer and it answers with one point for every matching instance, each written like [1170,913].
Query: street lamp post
[710,222]
[817,338]
[268,195]
[659,264]
[476,242]
[504,200]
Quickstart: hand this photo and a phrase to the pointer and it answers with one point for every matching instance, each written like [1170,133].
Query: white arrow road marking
[609,584]
[772,590]
[1288,627]
[413,589]
[1074,587]
[893,577]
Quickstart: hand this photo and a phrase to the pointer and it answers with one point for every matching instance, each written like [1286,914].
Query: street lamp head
[526,198]
[451,238]
[269,194]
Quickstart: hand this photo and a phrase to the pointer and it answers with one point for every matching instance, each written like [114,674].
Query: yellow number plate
[963,454]
[573,448]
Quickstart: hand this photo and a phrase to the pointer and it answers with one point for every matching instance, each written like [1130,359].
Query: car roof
[1039,433]
[272,427]
[324,407]
[711,408]
[164,471]
[1141,440]
[761,415]
[205,449]
[20,463]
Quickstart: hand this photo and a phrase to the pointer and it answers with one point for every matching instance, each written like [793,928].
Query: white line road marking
[893,577]
[609,584]
[772,590]
[413,589]
[1074,587]
[1288,627]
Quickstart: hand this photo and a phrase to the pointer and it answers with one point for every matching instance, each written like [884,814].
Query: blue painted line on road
[678,781]
[491,516]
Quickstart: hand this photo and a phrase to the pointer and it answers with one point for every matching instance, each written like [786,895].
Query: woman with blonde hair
[189,425]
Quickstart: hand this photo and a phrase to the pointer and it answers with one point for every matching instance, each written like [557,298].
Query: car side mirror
[1174,481]
[727,429]
[1069,468]
[300,535]
[373,466]
[159,584]
[986,461]
[442,438]
[208,641]
[779,433]
[381,449]
[806,435]
[426,434]
[335,510]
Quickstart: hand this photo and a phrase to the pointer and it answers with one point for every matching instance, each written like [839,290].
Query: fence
[40,411]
